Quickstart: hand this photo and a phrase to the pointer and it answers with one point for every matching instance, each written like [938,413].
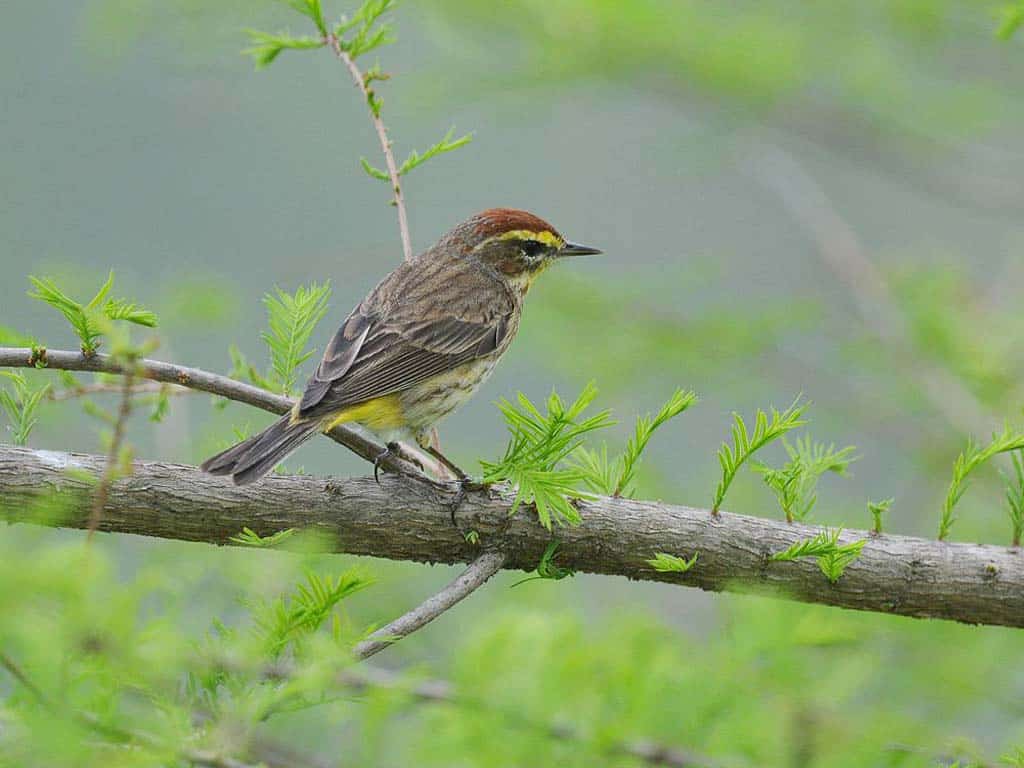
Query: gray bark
[408,519]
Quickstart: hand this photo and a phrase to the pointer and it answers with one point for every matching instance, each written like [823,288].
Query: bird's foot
[390,449]
[464,485]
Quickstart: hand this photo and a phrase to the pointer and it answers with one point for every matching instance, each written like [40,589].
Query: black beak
[575,249]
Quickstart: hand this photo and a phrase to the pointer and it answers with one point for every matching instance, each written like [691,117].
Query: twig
[196,379]
[100,388]
[840,249]
[114,453]
[443,692]
[15,671]
[382,135]
[471,579]
[900,575]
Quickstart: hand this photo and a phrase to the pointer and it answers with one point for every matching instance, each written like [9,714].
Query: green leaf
[88,320]
[539,443]
[821,544]
[967,462]
[373,171]
[833,557]
[21,405]
[266,46]
[249,538]
[645,429]
[877,509]
[745,444]
[1012,20]
[600,474]
[161,404]
[311,9]
[292,319]
[365,37]
[287,620]
[834,563]
[46,290]
[795,483]
[243,370]
[546,568]
[666,563]
[1014,485]
[12,338]
[122,309]
[447,144]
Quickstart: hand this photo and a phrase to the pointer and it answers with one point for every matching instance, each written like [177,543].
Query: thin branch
[102,388]
[841,250]
[16,672]
[385,143]
[114,453]
[471,579]
[203,381]
[443,692]
[903,575]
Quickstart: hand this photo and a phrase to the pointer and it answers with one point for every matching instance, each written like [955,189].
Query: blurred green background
[816,198]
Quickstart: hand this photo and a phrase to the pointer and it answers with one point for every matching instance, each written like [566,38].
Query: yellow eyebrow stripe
[548,238]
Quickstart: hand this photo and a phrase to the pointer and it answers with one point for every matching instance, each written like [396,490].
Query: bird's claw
[389,450]
[464,484]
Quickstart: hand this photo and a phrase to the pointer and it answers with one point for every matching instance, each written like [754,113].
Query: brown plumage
[422,341]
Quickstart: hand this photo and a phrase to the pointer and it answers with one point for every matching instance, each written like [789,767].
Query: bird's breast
[430,401]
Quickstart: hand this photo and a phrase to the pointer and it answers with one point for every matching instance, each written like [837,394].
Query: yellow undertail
[381,413]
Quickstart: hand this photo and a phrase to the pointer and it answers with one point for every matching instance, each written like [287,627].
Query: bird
[419,345]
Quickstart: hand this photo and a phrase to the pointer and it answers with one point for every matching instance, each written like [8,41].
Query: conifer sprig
[615,477]
[247,537]
[291,320]
[87,319]
[972,457]
[286,620]
[1015,495]
[795,483]
[745,444]
[877,509]
[21,405]
[539,444]
[833,557]
[666,563]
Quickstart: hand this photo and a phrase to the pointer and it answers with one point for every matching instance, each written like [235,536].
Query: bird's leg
[389,449]
[465,482]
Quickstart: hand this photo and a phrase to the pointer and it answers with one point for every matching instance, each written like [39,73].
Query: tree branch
[407,520]
[385,143]
[195,378]
[471,579]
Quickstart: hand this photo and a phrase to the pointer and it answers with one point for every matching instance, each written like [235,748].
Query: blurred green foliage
[149,634]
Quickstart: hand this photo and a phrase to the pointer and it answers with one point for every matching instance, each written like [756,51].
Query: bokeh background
[823,199]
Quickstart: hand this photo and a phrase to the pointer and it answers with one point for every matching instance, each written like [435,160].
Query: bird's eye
[532,248]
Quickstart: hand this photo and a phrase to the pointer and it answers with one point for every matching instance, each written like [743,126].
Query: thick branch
[194,378]
[467,582]
[385,142]
[407,520]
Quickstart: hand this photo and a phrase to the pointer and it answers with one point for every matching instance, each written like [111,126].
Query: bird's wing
[411,328]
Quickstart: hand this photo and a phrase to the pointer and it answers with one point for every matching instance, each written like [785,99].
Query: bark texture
[408,519]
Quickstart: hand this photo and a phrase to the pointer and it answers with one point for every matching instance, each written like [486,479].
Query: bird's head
[517,244]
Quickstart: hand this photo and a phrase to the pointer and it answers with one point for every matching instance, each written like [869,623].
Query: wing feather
[388,344]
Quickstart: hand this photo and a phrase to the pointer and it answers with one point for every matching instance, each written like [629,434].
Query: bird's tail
[251,459]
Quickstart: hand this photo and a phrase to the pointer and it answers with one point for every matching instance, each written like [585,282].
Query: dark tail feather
[253,458]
